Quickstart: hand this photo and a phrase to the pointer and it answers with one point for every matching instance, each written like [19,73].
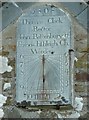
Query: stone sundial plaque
[43,66]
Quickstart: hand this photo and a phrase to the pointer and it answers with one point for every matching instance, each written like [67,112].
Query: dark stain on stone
[4,53]
[52,6]
[11,62]
[87,2]
[3,3]
[8,101]
[80,3]
[7,75]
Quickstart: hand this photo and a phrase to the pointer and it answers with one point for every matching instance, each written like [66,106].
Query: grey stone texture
[81,78]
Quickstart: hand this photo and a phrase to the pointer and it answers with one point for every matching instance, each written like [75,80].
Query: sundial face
[43,43]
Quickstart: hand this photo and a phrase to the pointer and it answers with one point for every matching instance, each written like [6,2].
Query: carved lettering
[25,21]
[44,36]
[36,36]
[24,36]
[28,21]
[48,43]
[54,20]
[42,51]
[46,10]
[36,28]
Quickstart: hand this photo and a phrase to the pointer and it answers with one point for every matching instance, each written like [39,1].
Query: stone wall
[81,65]
[81,77]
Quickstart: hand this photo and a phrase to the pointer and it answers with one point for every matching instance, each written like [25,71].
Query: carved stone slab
[43,56]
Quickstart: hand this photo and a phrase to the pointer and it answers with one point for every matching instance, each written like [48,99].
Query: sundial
[43,67]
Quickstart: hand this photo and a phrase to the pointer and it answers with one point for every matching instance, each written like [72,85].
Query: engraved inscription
[37,28]
[53,20]
[49,20]
[44,36]
[43,43]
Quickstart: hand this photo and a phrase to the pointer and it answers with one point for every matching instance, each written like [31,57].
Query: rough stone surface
[48,114]
[81,78]
[11,112]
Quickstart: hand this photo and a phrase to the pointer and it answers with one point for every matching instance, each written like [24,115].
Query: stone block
[82,76]
[79,88]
